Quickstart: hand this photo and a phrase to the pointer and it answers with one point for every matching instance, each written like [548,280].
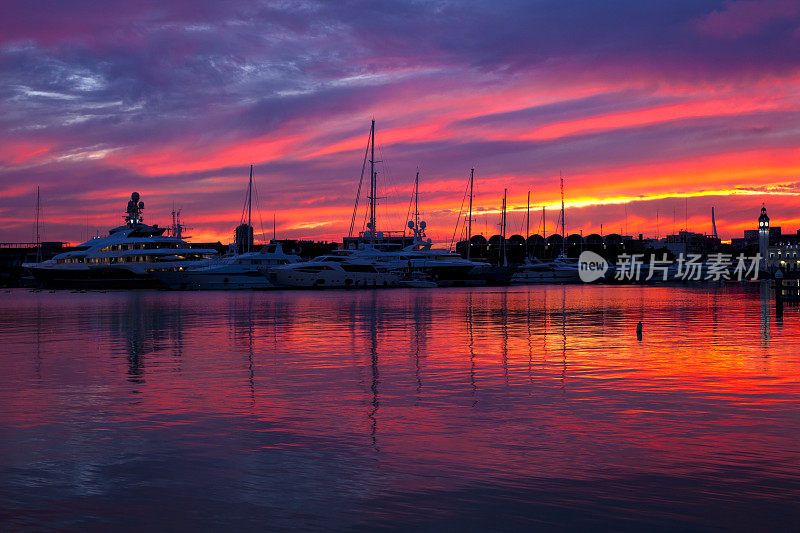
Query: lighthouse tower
[763,237]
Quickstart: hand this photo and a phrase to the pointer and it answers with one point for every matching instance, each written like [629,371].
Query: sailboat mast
[416,201]
[505,197]
[250,210]
[372,184]
[469,220]
[38,245]
[528,217]
[563,222]
[527,224]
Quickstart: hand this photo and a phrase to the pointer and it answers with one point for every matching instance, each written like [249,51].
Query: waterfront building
[763,235]
[688,242]
[784,254]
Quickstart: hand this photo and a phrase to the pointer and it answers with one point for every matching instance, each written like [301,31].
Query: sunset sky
[653,111]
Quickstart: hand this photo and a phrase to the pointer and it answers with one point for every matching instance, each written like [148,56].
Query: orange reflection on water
[431,390]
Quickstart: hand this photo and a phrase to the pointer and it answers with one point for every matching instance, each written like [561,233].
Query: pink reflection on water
[443,390]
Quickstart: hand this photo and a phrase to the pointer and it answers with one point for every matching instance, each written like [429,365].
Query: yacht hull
[545,275]
[59,278]
[196,281]
[333,280]
[491,275]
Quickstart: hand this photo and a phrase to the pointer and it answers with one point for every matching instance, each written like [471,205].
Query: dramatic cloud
[649,109]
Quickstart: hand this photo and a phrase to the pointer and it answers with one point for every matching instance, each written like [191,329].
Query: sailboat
[366,266]
[244,268]
[559,270]
[486,273]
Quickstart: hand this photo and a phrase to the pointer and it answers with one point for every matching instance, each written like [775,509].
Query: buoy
[639,330]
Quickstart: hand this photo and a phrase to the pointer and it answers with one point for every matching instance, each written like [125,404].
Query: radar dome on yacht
[422,224]
[135,196]
[141,205]
[411,224]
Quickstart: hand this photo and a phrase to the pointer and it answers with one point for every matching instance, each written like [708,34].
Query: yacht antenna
[274,232]
[469,220]
[249,209]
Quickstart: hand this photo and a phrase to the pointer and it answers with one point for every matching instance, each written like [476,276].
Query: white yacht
[443,267]
[351,269]
[242,268]
[123,259]
[560,270]
[240,271]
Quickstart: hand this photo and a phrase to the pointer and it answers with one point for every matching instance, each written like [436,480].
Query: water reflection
[373,351]
[398,409]
[764,296]
[471,347]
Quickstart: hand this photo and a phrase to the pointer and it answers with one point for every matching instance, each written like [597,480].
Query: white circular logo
[591,266]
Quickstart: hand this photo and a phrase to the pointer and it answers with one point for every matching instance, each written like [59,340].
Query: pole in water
[639,330]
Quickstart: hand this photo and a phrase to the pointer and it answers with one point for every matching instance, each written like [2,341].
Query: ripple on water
[454,408]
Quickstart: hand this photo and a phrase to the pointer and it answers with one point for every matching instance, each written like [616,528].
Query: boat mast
[249,209]
[416,200]
[528,225]
[38,244]
[503,225]
[563,224]
[372,184]
[469,220]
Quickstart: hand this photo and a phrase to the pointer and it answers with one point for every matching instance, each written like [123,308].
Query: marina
[140,256]
[400,266]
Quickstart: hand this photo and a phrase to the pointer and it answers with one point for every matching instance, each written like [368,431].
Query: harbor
[141,256]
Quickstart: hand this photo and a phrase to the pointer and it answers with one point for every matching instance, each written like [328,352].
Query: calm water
[455,409]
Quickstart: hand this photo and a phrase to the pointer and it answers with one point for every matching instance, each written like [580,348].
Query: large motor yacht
[125,258]
[238,271]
